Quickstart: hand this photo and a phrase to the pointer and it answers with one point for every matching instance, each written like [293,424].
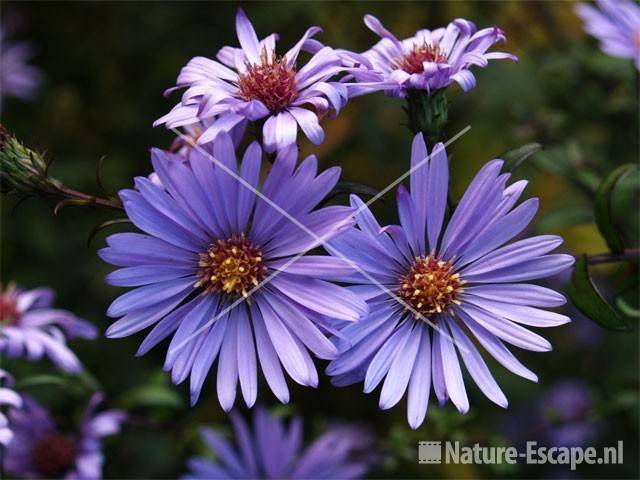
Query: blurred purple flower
[274,451]
[430,60]
[252,83]
[30,327]
[565,414]
[8,398]
[17,78]
[616,24]
[460,278]
[41,450]
[209,241]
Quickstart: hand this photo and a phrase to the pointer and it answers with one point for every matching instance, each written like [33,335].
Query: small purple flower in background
[274,451]
[566,415]
[430,60]
[17,78]
[29,327]
[253,83]
[208,242]
[616,24]
[8,398]
[461,278]
[41,450]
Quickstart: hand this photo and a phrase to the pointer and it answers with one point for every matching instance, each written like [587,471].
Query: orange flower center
[431,285]
[232,266]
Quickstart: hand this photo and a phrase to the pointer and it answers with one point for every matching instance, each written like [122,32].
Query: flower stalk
[24,172]
[428,113]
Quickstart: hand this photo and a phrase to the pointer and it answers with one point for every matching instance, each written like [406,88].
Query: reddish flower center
[413,62]
[9,313]
[232,266]
[271,81]
[54,455]
[431,285]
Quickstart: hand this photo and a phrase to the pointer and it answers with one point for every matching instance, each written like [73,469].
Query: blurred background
[105,66]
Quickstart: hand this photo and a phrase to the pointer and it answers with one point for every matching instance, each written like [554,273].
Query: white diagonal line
[319,240]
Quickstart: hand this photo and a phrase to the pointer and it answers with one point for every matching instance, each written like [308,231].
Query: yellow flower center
[431,285]
[232,266]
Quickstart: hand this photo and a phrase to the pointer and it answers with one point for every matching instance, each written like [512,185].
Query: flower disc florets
[413,61]
[9,313]
[431,285]
[271,81]
[232,266]
[54,455]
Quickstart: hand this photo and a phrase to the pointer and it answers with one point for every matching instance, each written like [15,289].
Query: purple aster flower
[30,327]
[616,24]
[42,450]
[8,398]
[209,242]
[17,78]
[430,60]
[274,451]
[460,278]
[253,83]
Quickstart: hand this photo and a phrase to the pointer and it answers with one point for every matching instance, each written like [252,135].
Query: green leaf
[151,396]
[602,208]
[65,383]
[515,157]
[585,296]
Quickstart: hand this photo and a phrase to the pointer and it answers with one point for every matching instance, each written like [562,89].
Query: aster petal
[504,329]
[316,266]
[472,201]
[292,54]
[452,373]
[518,313]
[497,350]
[164,328]
[149,295]
[381,362]
[476,366]
[141,318]
[519,294]
[356,356]
[269,358]
[397,380]
[146,274]
[320,296]
[503,230]
[512,254]
[288,352]
[420,381]
[408,220]
[540,267]
[309,124]
[206,356]
[250,172]
[376,27]
[247,368]
[437,371]
[228,364]
[436,193]
[247,37]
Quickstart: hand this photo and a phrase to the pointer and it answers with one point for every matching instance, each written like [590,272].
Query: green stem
[428,113]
